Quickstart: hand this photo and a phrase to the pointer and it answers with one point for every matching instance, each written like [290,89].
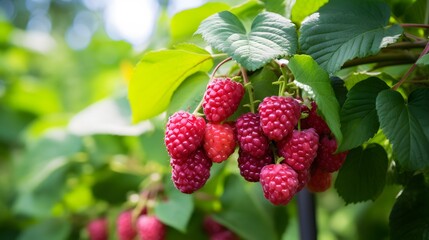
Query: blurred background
[68,152]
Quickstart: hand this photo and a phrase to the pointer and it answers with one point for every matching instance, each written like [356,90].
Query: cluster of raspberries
[147,227]
[306,156]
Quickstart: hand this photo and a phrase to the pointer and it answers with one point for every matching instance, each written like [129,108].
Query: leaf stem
[249,89]
[398,84]
[200,104]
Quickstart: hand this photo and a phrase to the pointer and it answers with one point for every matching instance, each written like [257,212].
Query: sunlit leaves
[270,36]
[157,76]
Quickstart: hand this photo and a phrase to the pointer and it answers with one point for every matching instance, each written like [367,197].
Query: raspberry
[225,235]
[221,99]
[299,148]
[279,115]
[98,229]
[219,141]
[191,173]
[250,166]
[150,228]
[320,180]
[250,136]
[315,121]
[217,231]
[279,183]
[184,134]
[326,159]
[303,178]
[124,225]
[211,226]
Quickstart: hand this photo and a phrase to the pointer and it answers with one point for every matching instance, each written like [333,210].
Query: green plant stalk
[398,84]
[282,87]
[249,89]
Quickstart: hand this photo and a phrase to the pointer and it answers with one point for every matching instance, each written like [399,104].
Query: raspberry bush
[249,119]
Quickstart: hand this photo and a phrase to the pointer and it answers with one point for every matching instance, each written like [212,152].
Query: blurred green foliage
[69,154]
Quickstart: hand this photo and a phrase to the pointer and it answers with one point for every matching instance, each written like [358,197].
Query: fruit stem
[200,104]
[218,66]
[398,84]
[249,88]
[283,69]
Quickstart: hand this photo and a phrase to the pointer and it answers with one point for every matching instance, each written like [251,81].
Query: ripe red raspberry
[98,229]
[124,226]
[303,178]
[326,159]
[279,115]
[221,99]
[150,228]
[250,136]
[279,183]
[320,180]
[250,166]
[299,148]
[191,173]
[314,120]
[184,134]
[219,141]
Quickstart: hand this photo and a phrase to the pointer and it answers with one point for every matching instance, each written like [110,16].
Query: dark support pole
[307,215]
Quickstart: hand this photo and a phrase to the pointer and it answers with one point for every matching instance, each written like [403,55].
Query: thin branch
[398,84]
[401,57]
[414,25]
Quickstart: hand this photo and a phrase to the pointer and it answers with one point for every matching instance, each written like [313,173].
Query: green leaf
[270,36]
[406,125]
[177,210]
[340,89]
[185,23]
[54,228]
[310,77]
[409,218]
[276,6]
[157,76]
[359,120]
[302,8]
[423,61]
[343,30]
[189,94]
[363,175]
[246,212]
[248,10]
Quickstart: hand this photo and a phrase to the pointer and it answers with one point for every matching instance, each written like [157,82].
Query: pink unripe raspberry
[150,228]
[299,148]
[250,136]
[184,134]
[279,183]
[191,173]
[98,229]
[279,115]
[125,227]
[221,99]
